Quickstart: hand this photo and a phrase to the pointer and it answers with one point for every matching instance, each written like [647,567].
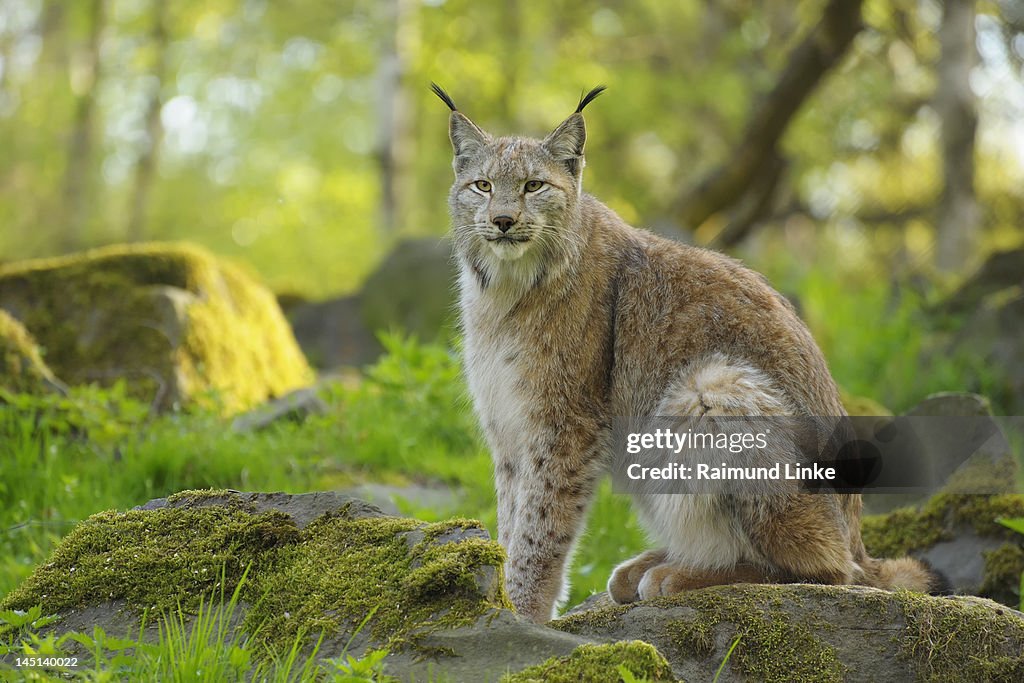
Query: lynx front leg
[547,512]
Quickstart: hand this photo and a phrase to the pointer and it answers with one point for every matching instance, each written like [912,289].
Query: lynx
[572,317]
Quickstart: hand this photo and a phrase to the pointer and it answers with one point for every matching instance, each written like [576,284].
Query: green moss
[903,531]
[961,640]
[22,369]
[862,406]
[325,578]
[695,637]
[118,312]
[908,529]
[598,664]
[207,497]
[773,646]
[153,558]
[591,621]
[345,569]
[1003,569]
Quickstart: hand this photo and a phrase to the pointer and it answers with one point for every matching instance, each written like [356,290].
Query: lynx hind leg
[719,385]
[757,540]
[804,537]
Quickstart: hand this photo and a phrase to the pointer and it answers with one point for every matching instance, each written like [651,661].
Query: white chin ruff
[506,251]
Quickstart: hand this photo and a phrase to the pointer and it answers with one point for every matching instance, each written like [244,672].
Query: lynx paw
[624,584]
[664,579]
[669,578]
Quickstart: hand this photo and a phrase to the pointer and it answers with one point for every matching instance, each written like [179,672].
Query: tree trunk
[756,154]
[84,70]
[395,139]
[957,220]
[145,168]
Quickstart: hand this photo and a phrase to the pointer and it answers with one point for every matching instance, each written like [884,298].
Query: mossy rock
[958,535]
[313,564]
[173,321]
[819,633]
[22,369]
[599,664]
[862,406]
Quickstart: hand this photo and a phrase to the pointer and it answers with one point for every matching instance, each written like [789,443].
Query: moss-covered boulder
[959,535]
[806,633]
[318,563]
[22,369]
[173,321]
[599,664]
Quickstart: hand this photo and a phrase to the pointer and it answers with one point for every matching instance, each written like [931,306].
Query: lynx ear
[466,136]
[566,142]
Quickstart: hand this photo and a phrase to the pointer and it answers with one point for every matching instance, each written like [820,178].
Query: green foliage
[269,147]
[200,646]
[1016,524]
[874,329]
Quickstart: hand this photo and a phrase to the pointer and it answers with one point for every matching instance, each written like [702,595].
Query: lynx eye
[483,185]
[533,185]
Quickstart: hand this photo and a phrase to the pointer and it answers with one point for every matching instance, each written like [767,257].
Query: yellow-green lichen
[22,369]
[961,640]
[171,319]
[599,664]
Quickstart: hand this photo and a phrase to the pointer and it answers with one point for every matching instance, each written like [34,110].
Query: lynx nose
[503,223]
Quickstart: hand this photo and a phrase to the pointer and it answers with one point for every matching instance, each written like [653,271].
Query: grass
[199,647]
[407,420]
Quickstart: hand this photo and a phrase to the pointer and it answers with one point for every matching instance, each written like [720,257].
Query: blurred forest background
[851,150]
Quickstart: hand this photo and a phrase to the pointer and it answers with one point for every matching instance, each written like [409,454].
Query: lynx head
[515,200]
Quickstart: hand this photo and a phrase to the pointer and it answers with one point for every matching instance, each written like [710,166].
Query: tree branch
[820,50]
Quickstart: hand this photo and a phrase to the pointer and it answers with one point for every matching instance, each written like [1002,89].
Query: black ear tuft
[447,98]
[586,99]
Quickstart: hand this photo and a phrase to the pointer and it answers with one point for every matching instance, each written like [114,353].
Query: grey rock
[986,315]
[810,632]
[961,448]
[411,290]
[962,560]
[439,498]
[294,406]
[952,404]
[333,334]
[303,508]
[498,643]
